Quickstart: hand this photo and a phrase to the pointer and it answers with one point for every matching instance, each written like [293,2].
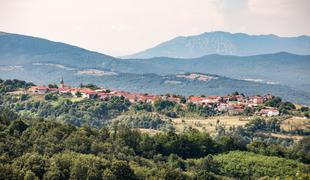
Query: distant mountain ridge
[43,61]
[225,43]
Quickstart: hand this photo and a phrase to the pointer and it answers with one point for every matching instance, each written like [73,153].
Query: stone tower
[62,83]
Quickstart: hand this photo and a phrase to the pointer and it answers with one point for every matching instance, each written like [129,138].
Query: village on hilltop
[233,104]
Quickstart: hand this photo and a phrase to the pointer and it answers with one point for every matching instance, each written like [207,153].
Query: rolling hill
[225,43]
[43,61]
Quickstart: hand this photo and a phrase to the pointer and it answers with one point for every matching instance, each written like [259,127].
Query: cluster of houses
[90,93]
[233,104]
[236,104]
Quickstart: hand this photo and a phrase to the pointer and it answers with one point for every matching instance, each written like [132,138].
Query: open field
[287,136]
[209,124]
[149,131]
[295,123]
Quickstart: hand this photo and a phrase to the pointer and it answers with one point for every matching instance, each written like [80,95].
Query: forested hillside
[60,137]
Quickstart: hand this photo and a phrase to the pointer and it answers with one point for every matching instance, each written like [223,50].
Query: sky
[122,27]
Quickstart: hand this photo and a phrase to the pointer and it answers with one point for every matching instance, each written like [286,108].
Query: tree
[30,176]
[52,86]
[90,86]
[302,149]
[256,124]
[122,171]
[17,126]
[304,109]
[50,96]
[24,97]
[274,102]
[247,111]
[182,100]
[285,107]
[161,105]
[78,94]
[174,174]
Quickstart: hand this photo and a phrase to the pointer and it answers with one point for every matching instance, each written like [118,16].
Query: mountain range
[42,61]
[225,43]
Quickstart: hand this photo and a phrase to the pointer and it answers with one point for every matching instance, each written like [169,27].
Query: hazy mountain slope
[155,84]
[225,43]
[19,49]
[282,68]
[43,61]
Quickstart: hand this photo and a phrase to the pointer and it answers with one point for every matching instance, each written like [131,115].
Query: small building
[256,100]
[269,112]
[212,100]
[224,107]
[196,99]
[64,90]
[38,89]
[63,85]
[87,93]
[103,95]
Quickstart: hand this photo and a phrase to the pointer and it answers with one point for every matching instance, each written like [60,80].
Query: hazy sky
[119,27]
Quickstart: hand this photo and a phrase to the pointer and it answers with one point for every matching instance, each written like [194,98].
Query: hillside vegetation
[52,135]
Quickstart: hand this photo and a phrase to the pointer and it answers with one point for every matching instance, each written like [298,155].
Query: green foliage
[122,171]
[12,85]
[36,146]
[50,150]
[200,110]
[163,105]
[244,165]
[285,107]
[90,86]
[248,111]
[272,125]
[78,94]
[304,109]
[274,102]
[256,124]
[143,120]
[141,106]
[50,96]
[302,150]
[52,86]
[24,97]
[92,112]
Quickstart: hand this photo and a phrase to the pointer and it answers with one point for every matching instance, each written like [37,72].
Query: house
[238,98]
[103,95]
[87,93]
[173,98]
[148,98]
[196,99]
[38,89]
[212,100]
[64,90]
[256,100]
[269,112]
[237,108]
[224,107]
[52,90]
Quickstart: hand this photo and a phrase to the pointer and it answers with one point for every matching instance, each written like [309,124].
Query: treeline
[90,112]
[12,85]
[98,113]
[49,150]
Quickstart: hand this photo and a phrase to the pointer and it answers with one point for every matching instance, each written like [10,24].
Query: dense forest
[57,138]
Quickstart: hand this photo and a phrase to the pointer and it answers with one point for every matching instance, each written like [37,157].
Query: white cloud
[119,27]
